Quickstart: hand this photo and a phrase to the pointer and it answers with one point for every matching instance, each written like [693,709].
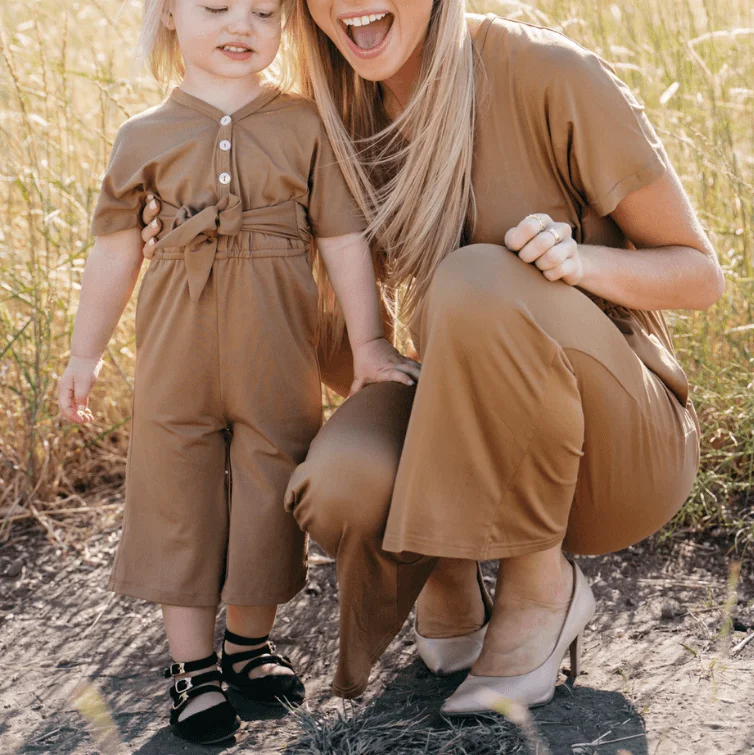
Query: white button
[224,178]
[224,145]
[225,120]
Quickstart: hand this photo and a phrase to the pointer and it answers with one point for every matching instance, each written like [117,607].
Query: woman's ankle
[544,578]
[451,604]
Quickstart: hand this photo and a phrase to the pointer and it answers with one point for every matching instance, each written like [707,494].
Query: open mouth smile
[236,51]
[368,33]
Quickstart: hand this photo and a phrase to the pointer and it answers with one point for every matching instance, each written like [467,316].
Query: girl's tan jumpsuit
[543,415]
[225,336]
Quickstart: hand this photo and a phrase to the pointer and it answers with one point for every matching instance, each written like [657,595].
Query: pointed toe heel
[448,655]
[480,694]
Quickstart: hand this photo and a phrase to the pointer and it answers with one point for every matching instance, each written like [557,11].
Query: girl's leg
[252,621]
[191,633]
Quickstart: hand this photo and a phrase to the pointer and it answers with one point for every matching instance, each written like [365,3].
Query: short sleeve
[123,192]
[604,145]
[332,209]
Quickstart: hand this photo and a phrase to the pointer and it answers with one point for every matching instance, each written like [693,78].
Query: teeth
[363,20]
[232,48]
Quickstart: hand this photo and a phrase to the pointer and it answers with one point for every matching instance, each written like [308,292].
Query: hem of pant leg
[266,599]
[356,689]
[487,552]
[187,600]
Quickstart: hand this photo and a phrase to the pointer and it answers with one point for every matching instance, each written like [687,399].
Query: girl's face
[230,39]
[378,38]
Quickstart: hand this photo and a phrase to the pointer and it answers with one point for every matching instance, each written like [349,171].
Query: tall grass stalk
[67,81]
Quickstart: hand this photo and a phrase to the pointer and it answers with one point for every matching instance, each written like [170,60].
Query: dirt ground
[659,677]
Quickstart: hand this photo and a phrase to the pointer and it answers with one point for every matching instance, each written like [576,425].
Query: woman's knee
[343,487]
[475,282]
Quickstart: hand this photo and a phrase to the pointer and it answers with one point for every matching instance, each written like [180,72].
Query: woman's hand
[549,245]
[74,388]
[152,224]
[378,362]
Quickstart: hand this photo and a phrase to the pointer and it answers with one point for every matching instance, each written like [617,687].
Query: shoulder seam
[481,35]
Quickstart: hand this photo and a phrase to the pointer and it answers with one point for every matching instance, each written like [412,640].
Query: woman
[515,186]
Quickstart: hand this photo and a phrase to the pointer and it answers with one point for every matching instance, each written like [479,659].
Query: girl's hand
[74,387]
[549,245]
[152,224]
[378,362]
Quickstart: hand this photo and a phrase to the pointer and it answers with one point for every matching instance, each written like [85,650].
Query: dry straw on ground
[67,81]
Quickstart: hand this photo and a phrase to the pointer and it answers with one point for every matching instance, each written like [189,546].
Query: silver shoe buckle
[183,685]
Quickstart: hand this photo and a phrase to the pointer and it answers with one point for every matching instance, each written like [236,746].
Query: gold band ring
[558,238]
[539,220]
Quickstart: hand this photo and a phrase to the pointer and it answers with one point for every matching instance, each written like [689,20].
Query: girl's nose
[240,23]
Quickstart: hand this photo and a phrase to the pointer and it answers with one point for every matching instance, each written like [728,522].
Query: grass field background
[67,80]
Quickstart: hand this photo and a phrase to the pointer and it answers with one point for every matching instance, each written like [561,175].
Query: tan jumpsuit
[226,369]
[543,415]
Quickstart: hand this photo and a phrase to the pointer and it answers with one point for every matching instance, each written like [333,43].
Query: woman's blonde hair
[411,177]
[157,46]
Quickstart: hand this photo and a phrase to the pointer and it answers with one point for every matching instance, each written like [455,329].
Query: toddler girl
[226,372]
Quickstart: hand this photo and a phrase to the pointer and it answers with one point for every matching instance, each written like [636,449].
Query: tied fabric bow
[199,235]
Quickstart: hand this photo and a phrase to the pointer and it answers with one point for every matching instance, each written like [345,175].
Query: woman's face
[376,37]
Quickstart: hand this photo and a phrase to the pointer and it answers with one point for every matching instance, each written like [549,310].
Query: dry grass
[371,731]
[66,83]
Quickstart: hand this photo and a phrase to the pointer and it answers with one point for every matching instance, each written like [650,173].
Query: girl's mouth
[236,52]
[368,32]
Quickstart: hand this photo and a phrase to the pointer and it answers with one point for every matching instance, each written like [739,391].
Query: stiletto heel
[538,686]
[447,655]
[575,650]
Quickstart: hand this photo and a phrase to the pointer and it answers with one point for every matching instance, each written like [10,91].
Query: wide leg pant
[534,423]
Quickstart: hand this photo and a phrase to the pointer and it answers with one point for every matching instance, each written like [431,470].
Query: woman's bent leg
[341,495]
[534,422]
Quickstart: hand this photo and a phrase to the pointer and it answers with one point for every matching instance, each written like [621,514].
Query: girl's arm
[110,275]
[673,266]
[349,267]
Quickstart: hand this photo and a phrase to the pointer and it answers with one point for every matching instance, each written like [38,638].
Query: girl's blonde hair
[411,177]
[158,48]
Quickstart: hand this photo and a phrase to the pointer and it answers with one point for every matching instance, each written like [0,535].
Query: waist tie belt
[198,233]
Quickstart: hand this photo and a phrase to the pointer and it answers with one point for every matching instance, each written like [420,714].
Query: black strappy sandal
[271,689]
[208,726]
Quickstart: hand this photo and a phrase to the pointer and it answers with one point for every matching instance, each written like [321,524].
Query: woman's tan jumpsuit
[225,336]
[543,415]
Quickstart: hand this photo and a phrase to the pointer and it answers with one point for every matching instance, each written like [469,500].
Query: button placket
[224,175]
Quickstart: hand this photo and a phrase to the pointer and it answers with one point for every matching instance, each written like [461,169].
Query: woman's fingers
[151,210]
[569,272]
[552,236]
[532,225]
[152,224]
[555,256]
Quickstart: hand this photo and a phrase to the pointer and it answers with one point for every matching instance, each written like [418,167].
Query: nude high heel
[479,694]
[447,655]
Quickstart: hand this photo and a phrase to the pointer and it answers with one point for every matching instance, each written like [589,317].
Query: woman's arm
[673,266]
[110,275]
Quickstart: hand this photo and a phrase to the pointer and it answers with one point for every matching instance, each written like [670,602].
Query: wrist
[588,266]
[363,341]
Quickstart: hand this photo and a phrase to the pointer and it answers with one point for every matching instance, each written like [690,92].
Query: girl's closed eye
[215,11]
